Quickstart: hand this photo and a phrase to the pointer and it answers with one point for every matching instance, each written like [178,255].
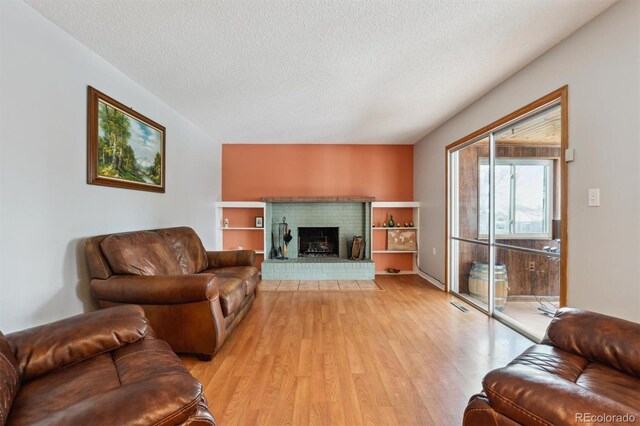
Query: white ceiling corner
[319,71]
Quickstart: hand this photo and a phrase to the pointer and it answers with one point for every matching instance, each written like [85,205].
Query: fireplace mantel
[318,199]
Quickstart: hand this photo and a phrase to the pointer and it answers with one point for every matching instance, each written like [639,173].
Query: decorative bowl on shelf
[393,270]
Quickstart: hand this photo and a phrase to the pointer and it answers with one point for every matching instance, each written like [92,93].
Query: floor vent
[460,306]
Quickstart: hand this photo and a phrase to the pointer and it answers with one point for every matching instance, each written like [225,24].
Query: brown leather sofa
[192,297]
[100,368]
[586,370]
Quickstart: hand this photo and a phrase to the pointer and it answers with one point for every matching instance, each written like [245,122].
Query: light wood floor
[527,314]
[401,356]
[524,313]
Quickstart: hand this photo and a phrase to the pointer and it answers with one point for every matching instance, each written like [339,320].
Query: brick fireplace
[320,231]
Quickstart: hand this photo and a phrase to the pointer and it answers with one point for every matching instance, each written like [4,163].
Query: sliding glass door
[505,216]
[467,252]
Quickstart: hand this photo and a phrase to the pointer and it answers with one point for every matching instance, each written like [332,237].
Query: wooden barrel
[479,283]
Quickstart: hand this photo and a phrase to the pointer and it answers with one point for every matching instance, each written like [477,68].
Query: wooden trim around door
[564,201]
[446,220]
[561,94]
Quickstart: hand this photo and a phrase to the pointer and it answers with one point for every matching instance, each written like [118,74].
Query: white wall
[601,64]
[46,207]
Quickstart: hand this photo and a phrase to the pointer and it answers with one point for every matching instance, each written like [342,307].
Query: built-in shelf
[244,236]
[413,215]
[396,204]
[240,204]
[378,228]
[394,273]
[241,228]
[403,212]
[395,251]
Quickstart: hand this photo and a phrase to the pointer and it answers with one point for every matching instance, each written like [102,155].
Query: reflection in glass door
[468,252]
[504,219]
[529,152]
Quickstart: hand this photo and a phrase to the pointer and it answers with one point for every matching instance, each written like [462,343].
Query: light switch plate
[594,197]
[568,155]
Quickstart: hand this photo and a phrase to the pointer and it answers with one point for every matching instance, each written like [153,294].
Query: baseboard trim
[431,280]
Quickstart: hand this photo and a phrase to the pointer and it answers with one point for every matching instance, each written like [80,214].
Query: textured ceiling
[335,71]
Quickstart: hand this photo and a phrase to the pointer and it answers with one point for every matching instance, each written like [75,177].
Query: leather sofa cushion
[142,379]
[232,292]
[9,378]
[187,248]
[140,253]
[544,385]
[59,390]
[249,274]
[133,361]
[611,383]
[551,360]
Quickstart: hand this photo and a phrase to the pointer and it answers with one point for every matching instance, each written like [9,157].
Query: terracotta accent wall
[250,172]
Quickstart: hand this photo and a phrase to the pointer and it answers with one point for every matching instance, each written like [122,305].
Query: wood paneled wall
[545,279]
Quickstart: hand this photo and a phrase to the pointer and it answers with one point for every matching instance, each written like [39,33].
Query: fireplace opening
[318,242]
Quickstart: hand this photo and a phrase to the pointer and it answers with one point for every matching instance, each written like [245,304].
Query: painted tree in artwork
[155,170]
[115,156]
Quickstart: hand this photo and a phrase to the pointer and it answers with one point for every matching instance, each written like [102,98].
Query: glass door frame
[552,100]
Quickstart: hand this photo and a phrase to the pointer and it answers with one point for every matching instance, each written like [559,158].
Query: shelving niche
[241,231]
[403,212]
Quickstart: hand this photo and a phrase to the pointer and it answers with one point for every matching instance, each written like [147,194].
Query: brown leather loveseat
[585,371]
[100,368]
[193,298]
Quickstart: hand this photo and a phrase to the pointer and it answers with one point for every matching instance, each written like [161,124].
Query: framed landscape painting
[125,149]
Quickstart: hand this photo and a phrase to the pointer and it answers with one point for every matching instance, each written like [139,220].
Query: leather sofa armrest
[201,416]
[223,259]
[597,337]
[480,413]
[156,290]
[49,347]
